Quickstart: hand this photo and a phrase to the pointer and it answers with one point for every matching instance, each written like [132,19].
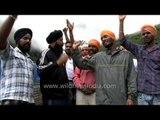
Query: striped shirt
[148,66]
[16,81]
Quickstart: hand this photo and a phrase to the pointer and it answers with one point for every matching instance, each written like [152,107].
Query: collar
[18,50]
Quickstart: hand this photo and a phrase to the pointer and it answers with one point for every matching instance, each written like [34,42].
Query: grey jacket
[115,76]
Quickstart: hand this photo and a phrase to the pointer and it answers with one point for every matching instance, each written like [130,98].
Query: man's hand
[130,102]
[122,17]
[76,44]
[69,25]
[65,30]
[88,89]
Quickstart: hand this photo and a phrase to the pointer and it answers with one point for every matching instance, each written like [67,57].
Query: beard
[24,48]
[58,49]
[68,52]
[108,45]
[147,41]
[91,52]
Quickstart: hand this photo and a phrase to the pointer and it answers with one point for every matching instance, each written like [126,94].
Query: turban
[94,42]
[84,45]
[150,29]
[21,32]
[108,33]
[53,36]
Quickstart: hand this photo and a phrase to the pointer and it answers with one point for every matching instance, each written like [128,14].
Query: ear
[53,44]
[17,42]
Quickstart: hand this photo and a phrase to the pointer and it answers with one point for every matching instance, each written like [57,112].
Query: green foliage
[34,53]
[135,37]
[158,33]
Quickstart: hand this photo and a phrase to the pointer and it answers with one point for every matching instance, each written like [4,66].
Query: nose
[103,38]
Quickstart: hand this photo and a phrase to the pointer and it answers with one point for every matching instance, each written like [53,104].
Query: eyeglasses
[146,33]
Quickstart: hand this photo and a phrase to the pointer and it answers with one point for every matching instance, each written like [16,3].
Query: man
[84,80]
[69,65]
[84,49]
[114,72]
[148,68]
[17,71]
[52,72]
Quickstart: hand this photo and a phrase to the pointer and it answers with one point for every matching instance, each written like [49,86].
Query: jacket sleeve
[45,66]
[131,80]
[76,78]
[87,64]
[132,47]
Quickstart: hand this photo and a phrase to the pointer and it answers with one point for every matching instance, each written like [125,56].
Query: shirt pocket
[24,64]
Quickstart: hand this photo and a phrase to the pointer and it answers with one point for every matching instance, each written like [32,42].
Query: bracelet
[13,17]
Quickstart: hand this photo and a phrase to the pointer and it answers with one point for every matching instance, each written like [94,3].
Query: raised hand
[65,30]
[122,17]
[76,44]
[69,25]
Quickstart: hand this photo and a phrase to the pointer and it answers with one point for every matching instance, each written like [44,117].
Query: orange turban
[150,29]
[94,42]
[109,33]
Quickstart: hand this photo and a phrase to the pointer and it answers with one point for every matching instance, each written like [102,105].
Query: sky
[86,27]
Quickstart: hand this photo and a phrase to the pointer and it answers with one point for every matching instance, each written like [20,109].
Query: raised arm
[65,34]
[121,31]
[88,64]
[5,30]
[70,27]
[132,47]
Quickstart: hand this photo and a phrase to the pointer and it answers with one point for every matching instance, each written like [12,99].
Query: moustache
[27,44]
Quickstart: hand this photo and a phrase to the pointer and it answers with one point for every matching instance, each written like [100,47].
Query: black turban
[53,36]
[21,32]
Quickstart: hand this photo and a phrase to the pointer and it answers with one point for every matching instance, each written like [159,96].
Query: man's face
[84,51]
[107,41]
[92,49]
[24,44]
[147,37]
[59,43]
[68,48]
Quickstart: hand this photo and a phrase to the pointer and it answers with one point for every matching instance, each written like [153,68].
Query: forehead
[68,44]
[59,39]
[27,35]
[145,31]
[104,36]
[85,47]
[91,45]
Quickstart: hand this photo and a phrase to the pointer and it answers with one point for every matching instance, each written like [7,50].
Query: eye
[146,33]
